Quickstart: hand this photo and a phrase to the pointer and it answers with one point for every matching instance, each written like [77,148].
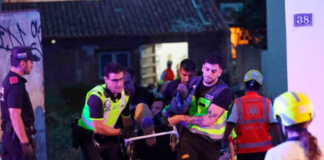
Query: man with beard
[16,108]
[205,122]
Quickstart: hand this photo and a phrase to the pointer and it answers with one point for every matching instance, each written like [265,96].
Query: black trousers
[251,156]
[195,147]
[12,149]
[107,151]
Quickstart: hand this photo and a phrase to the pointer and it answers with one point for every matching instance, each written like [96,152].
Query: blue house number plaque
[304,19]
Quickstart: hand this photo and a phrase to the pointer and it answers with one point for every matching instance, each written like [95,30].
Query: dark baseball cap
[23,52]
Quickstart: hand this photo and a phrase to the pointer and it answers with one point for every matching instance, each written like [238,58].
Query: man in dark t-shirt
[96,109]
[206,119]
[106,116]
[222,100]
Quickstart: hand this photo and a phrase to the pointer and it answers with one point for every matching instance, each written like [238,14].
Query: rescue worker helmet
[293,108]
[253,75]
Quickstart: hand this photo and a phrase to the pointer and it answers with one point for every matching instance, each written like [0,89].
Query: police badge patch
[209,97]
[13,80]
[107,104]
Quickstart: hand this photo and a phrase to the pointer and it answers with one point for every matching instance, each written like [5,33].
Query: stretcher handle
[154,135]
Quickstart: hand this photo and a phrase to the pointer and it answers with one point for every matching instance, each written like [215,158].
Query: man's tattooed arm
[206,120]
[196,120]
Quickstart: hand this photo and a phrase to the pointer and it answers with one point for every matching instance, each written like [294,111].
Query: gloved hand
[33,142]
[127,132]
[180,103]
[27,150]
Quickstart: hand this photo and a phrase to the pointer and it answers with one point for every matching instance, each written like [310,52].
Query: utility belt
[7,128]
[105,139]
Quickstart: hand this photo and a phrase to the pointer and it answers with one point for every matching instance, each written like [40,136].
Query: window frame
[113,59]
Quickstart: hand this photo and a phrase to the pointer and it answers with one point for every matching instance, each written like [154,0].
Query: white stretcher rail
[175,131]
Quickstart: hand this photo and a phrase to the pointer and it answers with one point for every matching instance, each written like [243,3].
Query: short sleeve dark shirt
[13,94]
[223,100]
[171,89]
[96,107]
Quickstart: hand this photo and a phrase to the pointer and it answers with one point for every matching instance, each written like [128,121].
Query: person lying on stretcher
[148,121]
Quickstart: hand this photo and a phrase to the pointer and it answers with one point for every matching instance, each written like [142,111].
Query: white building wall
[305,56]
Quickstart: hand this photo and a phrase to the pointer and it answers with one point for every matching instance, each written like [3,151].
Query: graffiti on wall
[19,39]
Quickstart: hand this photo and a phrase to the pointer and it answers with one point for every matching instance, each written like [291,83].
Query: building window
[122,58]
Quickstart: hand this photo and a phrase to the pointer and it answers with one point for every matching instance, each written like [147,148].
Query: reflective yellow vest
[112,110]
[200,107]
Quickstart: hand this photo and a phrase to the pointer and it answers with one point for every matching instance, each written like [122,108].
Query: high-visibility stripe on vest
[233,134]
[112,110]
[253,123]
[200,107]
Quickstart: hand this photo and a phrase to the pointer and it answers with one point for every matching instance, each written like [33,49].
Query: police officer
[16,108]
[106,110]
[253,115]
[202,136]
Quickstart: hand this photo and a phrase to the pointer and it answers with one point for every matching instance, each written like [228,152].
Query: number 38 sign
[303,19]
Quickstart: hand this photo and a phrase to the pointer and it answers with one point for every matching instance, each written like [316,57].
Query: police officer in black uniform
[16,108]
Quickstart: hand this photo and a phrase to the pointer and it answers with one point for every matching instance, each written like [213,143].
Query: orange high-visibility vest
[253,123]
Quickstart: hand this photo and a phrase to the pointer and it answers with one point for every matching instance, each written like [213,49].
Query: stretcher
[174,140]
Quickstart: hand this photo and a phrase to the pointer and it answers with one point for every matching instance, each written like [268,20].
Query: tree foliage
[252,20]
